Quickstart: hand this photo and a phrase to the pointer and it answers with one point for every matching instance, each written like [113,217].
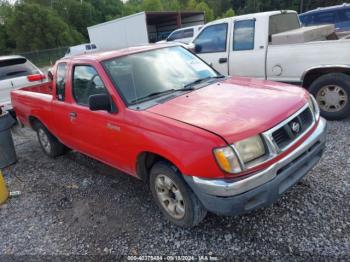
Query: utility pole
[301,6]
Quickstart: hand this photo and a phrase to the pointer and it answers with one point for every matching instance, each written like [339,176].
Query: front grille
[293,129]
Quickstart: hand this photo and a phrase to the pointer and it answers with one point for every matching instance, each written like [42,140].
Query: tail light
[36,77]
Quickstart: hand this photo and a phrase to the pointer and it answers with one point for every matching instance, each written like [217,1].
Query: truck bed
[33,100]
[294,59]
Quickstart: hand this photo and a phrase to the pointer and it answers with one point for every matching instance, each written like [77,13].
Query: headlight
[314,107]
[247,150]
[227,159]
[250,148]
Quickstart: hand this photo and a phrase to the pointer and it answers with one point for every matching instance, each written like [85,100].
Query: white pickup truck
[274,46]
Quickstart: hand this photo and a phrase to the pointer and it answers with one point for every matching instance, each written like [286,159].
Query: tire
[182,200]
[48,142]
[332,92]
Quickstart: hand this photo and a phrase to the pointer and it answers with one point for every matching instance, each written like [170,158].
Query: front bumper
[229,197]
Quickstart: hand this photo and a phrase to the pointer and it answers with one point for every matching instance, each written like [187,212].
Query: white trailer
[141,28]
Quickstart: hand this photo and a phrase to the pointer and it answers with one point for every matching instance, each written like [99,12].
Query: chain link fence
[45,57]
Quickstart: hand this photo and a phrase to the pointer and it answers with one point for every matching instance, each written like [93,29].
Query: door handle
[222,60]
[73,115]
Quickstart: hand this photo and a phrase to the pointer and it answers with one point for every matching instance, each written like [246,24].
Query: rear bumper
[262,188]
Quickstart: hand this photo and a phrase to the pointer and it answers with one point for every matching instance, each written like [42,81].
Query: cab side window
[176,35]
[86,82]
[188,33]
[243,35]
[61,81]
[212,39]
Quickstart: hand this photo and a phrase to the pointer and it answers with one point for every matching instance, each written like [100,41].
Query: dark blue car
[338,15]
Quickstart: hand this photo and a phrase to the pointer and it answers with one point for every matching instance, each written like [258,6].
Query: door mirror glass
[61,81]
[197,48]
[100,102]
[49,74]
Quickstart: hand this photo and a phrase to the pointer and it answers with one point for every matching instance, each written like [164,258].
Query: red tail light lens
[36,77]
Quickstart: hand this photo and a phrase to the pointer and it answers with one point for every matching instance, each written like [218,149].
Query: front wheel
[332,92]
[174,197]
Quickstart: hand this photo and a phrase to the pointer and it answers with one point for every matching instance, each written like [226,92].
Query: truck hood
[235,108]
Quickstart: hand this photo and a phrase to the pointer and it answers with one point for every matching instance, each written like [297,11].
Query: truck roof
[105,55]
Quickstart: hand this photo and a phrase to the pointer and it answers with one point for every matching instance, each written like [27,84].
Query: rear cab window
[282,23]
[16,67]
[61,74]
[212,39]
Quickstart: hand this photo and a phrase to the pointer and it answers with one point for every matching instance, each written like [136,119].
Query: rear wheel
[48,142]
[332,92]
[174,197]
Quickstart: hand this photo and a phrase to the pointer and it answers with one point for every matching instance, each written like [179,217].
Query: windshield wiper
[153,94]
[201,80]
[156,94]
[187,87]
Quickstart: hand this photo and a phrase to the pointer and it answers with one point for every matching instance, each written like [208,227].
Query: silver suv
[16,72]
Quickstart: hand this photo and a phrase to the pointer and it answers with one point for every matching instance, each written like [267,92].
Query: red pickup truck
[202,141]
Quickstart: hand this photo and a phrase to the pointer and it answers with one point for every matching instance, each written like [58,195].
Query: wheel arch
[34,121]
[311,74]
[146,159]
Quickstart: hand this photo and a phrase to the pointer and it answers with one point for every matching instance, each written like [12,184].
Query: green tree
[77,14]
[171,5]
[107,9]
[5,13]
[152,5]
[33,27]
[191,5]
[208,12]
[219,6]
[229,13]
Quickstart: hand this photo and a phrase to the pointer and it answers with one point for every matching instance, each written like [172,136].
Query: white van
[81,49]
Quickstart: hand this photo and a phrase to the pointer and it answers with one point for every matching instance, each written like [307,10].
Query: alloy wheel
[170,196]
[44,140]
[332,98]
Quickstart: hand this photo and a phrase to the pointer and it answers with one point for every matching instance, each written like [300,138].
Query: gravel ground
[74,205]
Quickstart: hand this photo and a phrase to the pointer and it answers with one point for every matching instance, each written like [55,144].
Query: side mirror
[190,47]
[100,102]
[50,75]
[270,38]
[197,49]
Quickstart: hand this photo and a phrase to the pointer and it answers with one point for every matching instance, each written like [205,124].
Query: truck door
[61,107]
[97,132]
[212,46]
[248,50]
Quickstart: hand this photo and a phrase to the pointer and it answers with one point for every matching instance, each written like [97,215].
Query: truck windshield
[139,76]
